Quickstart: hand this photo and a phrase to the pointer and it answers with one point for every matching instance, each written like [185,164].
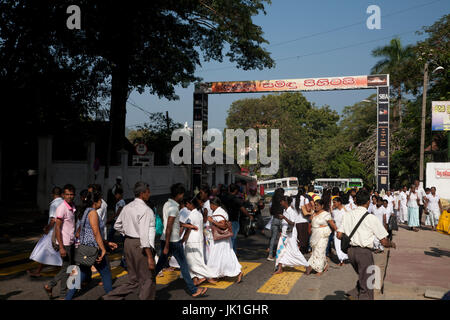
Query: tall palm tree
[395,58]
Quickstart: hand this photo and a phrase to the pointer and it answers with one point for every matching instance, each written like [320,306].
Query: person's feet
[270,258]
[279,270]
[239,278]
[198,282]
[212,281]
[200,292]
[308,270]
[48,290]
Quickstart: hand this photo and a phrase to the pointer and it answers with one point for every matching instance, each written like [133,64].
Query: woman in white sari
[222,259]
[319,237]
[288,252]
[193,247]
[338,214]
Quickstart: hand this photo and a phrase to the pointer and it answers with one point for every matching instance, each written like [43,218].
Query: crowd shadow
[339,295]
[9,295]
[436,252]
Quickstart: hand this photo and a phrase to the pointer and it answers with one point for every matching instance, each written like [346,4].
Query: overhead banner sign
[286,85]
[440,116]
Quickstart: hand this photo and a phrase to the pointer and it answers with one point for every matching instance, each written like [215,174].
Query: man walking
[65,238]
[421,192]
[137,223]
[361,243]
[171,242]
[234,208]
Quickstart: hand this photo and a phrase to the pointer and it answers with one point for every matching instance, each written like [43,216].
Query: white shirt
[421,193]
[52,210]
[403,199]
[378,212]
[184,216]
[102,214]
[338,214]
[433,202]
[290,214]
[390,200]
[120,204]
[370,227]
[196,219]
[300,218]
[412,202]
[352,203]
[137,220]
[170,209]
[396,199]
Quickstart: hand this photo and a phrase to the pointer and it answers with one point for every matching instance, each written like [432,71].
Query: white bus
[342,183]
[290,186]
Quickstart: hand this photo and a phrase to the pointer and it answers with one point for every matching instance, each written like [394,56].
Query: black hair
[216,201]
[176,189]
[118,191]
[196,202]
[335,191]
[310,188]
[83,194]
[287,199]
[385,201]
[326,197]
[321,202]
[345,199]
[90,199]
[338,199]
[69,187]
[95,187]
[362,197]
[56,191]
[276,206]
[427,189]
[233,187]
[300,193]
[205,188]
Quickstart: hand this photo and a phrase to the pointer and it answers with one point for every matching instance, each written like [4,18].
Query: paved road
[258,282]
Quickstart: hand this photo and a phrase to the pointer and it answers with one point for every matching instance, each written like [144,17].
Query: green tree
[394,55]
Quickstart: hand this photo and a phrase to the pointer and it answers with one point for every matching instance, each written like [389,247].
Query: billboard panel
[440,115]
[286,85]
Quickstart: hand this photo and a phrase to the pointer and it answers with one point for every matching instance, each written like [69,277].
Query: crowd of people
[199,232]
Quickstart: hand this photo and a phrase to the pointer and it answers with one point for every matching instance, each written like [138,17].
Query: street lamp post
[422,132]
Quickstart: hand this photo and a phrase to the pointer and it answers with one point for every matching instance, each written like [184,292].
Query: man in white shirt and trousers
[137,223]
[361,244]
[422,194]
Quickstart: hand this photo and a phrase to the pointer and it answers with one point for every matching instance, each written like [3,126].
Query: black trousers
[420,214]
[361,259]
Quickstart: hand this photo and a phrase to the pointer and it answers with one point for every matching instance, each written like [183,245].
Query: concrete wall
[81,173]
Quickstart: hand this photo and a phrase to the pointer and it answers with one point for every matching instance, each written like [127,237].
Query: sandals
[201,293]
[239,279]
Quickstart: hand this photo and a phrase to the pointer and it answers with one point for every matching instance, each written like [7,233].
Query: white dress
[434,211]
[378,212]
[193,248]
[288,253]
[43,252]
[222,260]
[338,215]
[403,207]
[207,233]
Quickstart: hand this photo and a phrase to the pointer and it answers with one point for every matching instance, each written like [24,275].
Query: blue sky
[321,55]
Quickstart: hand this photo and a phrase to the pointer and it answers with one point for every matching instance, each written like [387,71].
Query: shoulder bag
[392,223]
[85,255]
[345,240]
[219,234]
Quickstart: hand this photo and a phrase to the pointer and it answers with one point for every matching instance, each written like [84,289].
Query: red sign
[141,149]
[442,173]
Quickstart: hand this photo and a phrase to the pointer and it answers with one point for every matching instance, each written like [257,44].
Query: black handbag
[345,240]
[392,223]
[85,255]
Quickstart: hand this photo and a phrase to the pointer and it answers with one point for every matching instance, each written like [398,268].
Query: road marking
[116,272]
[18,268]
[247,267]
[282,283]
[14,258]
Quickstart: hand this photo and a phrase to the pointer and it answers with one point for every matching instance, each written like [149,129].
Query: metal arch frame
[379,82]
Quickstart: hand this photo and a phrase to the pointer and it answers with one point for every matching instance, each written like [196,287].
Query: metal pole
[422,133]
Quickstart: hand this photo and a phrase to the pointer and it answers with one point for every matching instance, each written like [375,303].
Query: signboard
[440,116]
[383,138]
[141,149]
[438,175]
[286,85]
[141,161]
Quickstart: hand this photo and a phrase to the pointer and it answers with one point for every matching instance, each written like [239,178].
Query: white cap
[119,177]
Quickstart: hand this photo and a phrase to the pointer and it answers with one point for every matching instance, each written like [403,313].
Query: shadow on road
[436,252]
[339,295]
[9,294]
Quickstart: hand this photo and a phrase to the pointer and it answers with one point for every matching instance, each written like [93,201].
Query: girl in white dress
[338,214]
[403,206]
[413,208]
[380,212]
[222,259]
[193,247]
[434,208]
[288,252]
